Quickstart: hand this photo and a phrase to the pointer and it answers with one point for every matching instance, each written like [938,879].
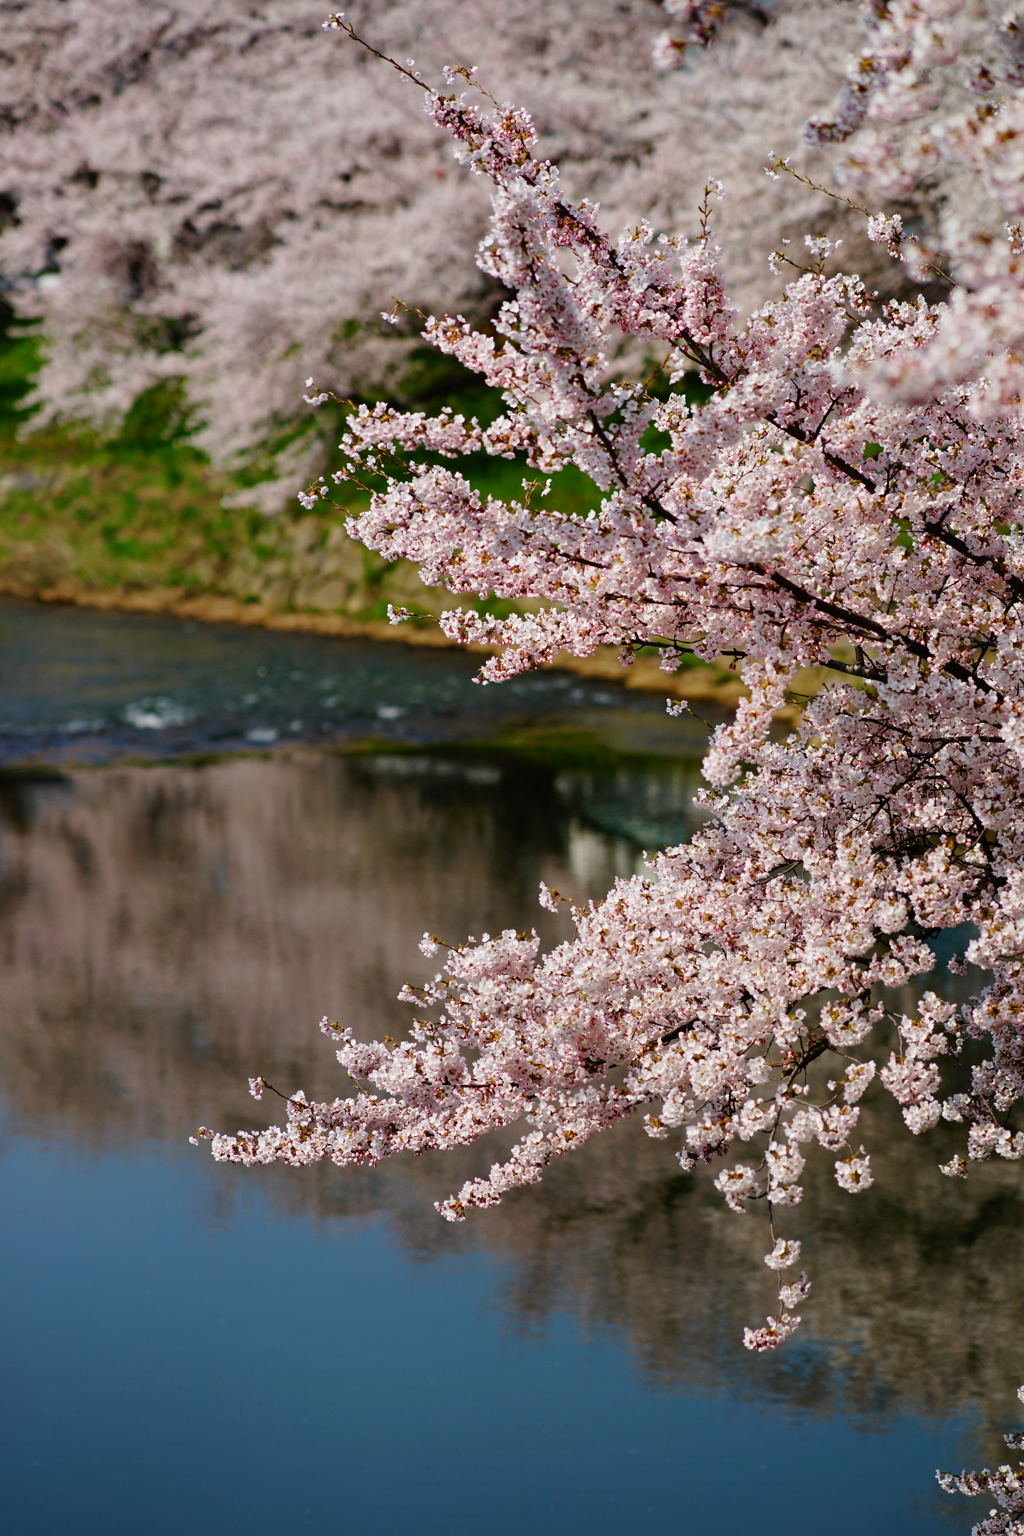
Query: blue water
[168,1370]
[188,1349]
[89,687]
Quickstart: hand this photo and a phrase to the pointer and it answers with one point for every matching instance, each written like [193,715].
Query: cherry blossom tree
[825,484]
[208,190]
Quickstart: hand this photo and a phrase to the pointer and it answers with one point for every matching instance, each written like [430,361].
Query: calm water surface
[190,1348]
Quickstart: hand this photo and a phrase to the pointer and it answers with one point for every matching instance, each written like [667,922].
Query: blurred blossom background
[229,806]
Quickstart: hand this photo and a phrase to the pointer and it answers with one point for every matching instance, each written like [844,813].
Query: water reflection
[165,932]
[161,929]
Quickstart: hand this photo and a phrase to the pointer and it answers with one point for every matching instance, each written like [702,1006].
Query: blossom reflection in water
[170,931]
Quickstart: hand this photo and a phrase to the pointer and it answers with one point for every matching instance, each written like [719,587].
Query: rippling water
[88,687]
[192,1348]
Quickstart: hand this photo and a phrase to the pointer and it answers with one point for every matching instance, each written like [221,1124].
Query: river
[210,838]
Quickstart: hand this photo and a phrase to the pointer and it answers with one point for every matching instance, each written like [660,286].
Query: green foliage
[139,508]
[19,362]
[161,419]
[143,508]
[432,379]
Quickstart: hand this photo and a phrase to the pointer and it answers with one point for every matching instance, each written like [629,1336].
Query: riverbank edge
[694,684]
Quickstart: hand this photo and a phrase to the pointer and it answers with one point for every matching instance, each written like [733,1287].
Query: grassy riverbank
[140,520]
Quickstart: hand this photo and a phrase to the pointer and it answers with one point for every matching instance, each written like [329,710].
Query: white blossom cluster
[1005,1484]
[811,506]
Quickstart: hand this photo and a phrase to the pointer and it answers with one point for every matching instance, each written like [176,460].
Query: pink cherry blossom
[813,487]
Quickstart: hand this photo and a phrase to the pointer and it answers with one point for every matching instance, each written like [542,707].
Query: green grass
[141,507]
[144,508]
